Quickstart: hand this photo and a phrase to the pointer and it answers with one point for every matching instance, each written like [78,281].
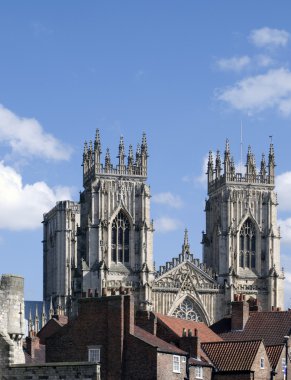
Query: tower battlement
[218,175]
[135,166]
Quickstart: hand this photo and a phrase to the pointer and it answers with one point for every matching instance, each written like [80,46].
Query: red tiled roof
[271,326]
[156,342]
[177,324]
[232,356]
[274,354]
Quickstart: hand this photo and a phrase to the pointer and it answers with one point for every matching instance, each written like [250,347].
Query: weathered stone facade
[241,243]
[11,320]
[113,231]
[60,252]
[242,238]
[54,371]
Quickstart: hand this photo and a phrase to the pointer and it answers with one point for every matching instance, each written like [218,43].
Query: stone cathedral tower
[242,239]
[115,249]
[103,245]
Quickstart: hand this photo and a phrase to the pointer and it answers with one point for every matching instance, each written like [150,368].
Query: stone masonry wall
[55,371]
[11,319]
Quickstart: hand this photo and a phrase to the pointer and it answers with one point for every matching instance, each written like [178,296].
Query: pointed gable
[176,326]
[232,356]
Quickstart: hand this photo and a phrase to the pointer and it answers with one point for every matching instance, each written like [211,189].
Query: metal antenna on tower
[241,145]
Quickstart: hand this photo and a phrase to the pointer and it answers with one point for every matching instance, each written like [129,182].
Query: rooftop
[177,325]
[232,356]
[154,341]
[269,326]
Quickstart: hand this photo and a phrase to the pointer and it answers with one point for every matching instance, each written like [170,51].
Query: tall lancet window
[247,243]
[120,239]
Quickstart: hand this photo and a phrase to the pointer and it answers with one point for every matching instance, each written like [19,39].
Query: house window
[199,372]
[176,364]
[262,363]
[247,245]
[283,364]
[94,355]
[120,239]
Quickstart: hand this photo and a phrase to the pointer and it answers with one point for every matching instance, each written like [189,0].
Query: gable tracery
[184,277]
[187,310]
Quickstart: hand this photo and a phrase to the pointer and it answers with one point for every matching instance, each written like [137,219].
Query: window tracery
[247,242]
[120,238]
[187,310]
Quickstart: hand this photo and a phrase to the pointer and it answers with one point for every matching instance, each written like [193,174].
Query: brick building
[104,331]
[246,360]
[247,323]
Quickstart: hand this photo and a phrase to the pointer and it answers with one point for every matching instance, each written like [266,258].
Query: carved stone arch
[125,211]
[252,254]
[188,307]
[120,236]
[250,216]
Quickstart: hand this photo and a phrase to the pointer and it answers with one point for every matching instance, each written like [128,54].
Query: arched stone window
[247,245]
[187,310]
[120,238]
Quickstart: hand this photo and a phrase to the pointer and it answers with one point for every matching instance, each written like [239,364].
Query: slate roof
[222,326]
[154,341]
[232,356]
[177,324]
[271,326]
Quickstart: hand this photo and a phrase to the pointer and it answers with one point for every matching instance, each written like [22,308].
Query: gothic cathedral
[103,245]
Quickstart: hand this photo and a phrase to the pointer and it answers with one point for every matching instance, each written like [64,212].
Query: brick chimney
[32,344]
[239,312]
[147,321]
[128,314]
[190,343]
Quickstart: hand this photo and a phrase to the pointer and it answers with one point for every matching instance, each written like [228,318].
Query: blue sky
[188,73]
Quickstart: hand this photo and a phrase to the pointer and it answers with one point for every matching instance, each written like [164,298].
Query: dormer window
[262,363]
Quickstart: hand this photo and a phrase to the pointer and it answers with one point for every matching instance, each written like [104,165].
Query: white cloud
[263,60]
[285,228]
[202,179]
[166,224]
[234,63]
[283,188]
[238,64]
[168,199]
[27,138]
[22,206]
[269,37]
[260,92]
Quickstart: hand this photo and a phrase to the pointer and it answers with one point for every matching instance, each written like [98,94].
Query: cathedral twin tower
[103,245]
